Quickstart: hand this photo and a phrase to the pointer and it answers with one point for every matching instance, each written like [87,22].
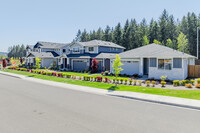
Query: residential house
[82,53]
[46,51]
[156,60]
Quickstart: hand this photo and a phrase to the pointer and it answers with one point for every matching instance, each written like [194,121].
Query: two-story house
[48,52]
[81,54]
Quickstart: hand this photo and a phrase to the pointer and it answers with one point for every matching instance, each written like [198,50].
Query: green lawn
[191,94]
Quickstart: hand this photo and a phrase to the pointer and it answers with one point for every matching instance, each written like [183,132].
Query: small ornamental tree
[38,63]
[21,60]
[4,63]
[116,66]
[94,65]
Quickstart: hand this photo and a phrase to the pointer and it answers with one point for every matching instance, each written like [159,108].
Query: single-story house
[155,61]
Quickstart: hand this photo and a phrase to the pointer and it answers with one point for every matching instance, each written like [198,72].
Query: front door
[146,66]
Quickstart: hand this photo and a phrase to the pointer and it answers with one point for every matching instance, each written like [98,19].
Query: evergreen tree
[118,34]
[106,34]
[126,35]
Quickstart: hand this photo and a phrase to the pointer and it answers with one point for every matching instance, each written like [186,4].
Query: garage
[130,67]
[47,62]
[79,65]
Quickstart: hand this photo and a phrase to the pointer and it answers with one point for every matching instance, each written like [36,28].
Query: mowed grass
[190,94]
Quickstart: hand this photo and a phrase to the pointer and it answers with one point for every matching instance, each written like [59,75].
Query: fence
[194,71]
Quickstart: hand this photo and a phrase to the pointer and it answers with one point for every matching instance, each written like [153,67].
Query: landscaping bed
[106,83]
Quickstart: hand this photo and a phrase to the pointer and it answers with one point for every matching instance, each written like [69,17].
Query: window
[153,62]
[75,49]
[64,50]
[165,64]
[177,63]
[91,49]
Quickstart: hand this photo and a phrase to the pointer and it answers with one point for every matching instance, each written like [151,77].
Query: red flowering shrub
[94,65]
[99,79]
[21,60]
[60,75]
[107,80]
[28,70]
[54,74]
[4,63]
[13,68]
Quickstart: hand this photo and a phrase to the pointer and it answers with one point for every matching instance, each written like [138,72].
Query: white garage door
[130,67]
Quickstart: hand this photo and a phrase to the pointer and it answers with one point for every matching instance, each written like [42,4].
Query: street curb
[167,100]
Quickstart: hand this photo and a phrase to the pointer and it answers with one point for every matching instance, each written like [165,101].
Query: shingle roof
[30,46]
[51,44]
[106,55]
[154,50]
[100,43]
[43,54]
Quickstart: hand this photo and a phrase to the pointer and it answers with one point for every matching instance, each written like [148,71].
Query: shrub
[187,81]
[107,80]
[197,85]
[188,85]
[99,79]
[135,81]
[54,73]
[148,83]
[44,73]
[60,75]
[94,65]
[121,80]
[130,81]
[183,82]
[198,81]
[163,83]
[114,80]
[125,80]
[4,63]
[117,81]
[163,78]
[49,73]
[176,82]
[140,82]
[192,81]
[153,83]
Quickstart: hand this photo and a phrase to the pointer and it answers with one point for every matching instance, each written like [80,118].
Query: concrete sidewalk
[181,102]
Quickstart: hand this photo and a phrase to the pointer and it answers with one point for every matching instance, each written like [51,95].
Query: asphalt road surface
[28,107]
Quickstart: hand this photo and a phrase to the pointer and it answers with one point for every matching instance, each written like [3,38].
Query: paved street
[28,107]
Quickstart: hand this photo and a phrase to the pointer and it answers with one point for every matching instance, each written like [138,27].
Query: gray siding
[109,50]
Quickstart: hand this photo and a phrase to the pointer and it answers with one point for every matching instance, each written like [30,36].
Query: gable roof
[43,54]
[51,45]
[154,50]
[30,46]
[106,55]
[99,43]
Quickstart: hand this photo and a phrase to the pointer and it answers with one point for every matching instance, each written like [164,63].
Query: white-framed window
[165,64]
[91,49]
[76,50]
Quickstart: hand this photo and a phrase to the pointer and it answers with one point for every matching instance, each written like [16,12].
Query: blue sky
[26,22]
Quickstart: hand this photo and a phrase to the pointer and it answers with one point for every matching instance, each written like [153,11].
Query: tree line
[177,34]
[17,51]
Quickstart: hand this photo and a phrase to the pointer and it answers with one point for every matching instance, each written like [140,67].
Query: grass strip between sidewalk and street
[190,94]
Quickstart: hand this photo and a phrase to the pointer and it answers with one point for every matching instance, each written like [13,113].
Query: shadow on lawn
[113,88]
